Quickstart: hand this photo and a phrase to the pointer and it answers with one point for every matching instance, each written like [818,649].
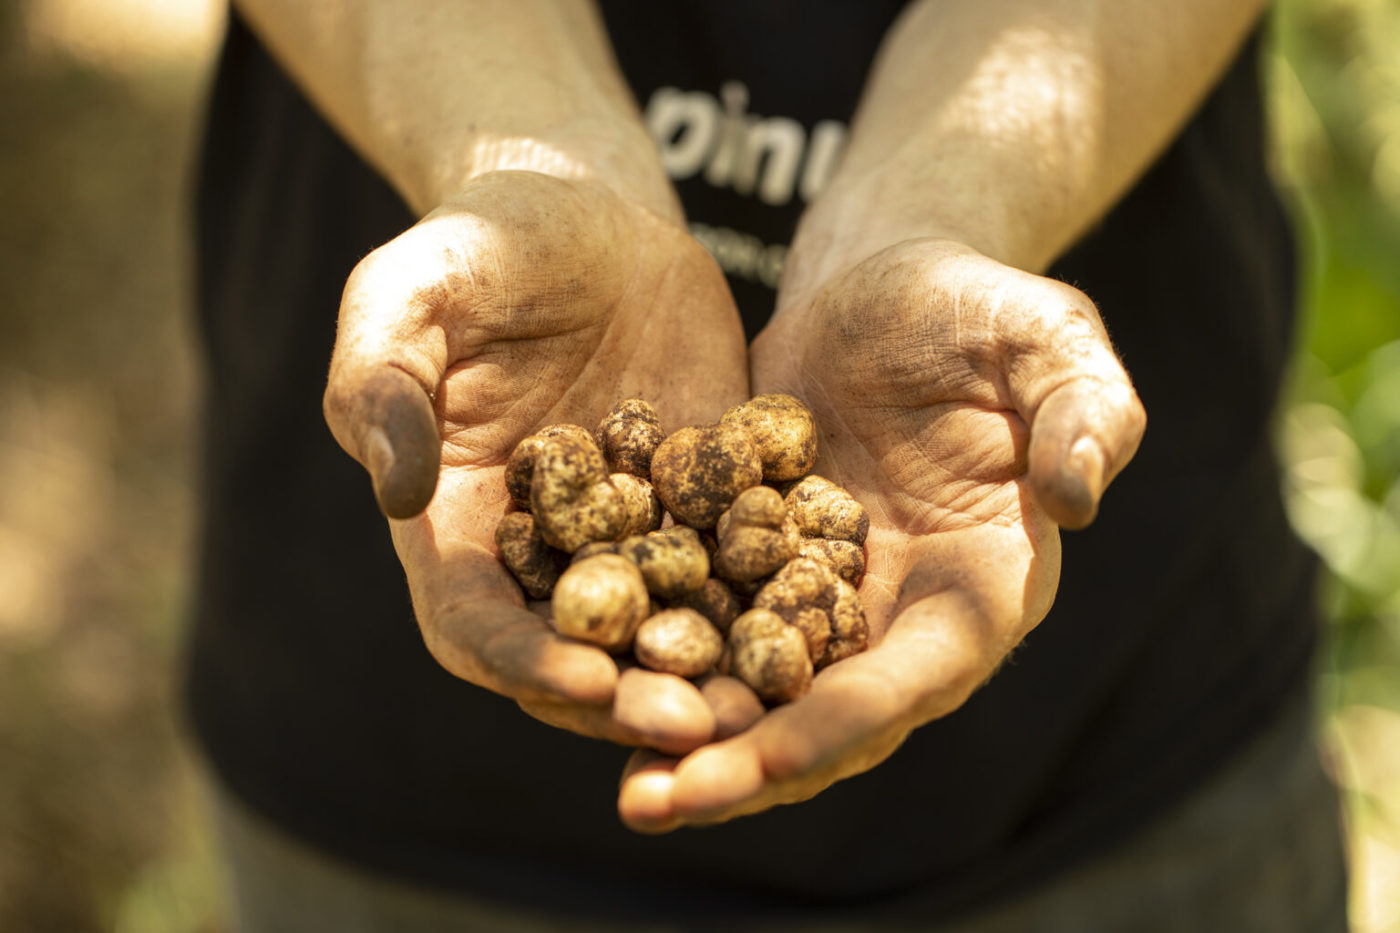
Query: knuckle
[333,402]
[1135,420]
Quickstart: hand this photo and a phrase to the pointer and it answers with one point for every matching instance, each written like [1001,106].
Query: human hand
[972,408]
[522,301]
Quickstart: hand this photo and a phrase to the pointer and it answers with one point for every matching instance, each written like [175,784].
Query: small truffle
[593,549]
[673,562]
[715,601]
[534,564]
[753,540]
[678,641]
[822,509]
[640,503]
[629,435]
[520,467]
[783,431]
[571,495]
[770,656]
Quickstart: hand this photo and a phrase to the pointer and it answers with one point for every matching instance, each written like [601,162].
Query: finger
[667,712]
[1083,433]
[658,711]
[508,650]
[1065,380]
[790,755]
[382,418]
[735,706]
[595,722]
[387,364]
[644,795]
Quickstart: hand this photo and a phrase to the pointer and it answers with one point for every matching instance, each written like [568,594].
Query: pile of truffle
[754,573]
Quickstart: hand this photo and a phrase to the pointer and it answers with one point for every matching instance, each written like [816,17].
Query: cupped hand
[973,409]
[524,300]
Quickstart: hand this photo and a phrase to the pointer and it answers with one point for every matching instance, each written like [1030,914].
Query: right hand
[522,301]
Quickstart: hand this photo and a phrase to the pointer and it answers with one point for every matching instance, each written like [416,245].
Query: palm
[525,301]
[573,301]
[918,424]
[970,408]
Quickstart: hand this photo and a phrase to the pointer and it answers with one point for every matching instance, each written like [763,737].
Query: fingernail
[1086,460]
[380,454]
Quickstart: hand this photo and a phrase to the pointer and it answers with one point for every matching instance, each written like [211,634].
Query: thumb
[1086,420]
[383,418]
[378,399]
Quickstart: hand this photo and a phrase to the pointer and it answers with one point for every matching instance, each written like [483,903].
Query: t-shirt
[1184,617]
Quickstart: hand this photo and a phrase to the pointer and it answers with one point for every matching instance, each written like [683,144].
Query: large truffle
[806,586]
[698,471]
[601,600]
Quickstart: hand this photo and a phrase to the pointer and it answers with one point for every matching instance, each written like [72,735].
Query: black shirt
[1184,617]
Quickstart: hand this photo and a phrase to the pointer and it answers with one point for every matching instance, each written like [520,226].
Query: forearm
[1012,125]
[434,93]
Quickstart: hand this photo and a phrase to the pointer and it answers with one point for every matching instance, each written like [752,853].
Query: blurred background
[100,820]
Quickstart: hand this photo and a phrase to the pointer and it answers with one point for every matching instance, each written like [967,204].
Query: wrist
[857,217]
[609,152]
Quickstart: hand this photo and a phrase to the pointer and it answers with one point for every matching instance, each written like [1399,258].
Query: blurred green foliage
[1334,81]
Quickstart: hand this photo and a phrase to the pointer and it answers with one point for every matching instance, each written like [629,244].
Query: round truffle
[678,641]
[673,562]
[601,600]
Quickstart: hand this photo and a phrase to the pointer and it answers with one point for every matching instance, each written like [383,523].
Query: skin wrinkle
[454,429]
[954,517]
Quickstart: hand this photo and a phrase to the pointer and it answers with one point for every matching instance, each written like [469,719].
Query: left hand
[972,408]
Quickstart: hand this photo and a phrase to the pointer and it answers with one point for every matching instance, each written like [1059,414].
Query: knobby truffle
[783,432]
[629,435]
